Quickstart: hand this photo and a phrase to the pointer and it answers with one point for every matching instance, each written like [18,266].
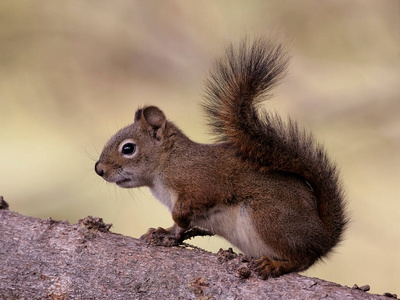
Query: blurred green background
[73,72]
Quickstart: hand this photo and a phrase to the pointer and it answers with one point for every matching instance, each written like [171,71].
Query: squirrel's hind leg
[267,267]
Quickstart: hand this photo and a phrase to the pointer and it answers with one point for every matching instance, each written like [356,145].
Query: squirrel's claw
[269,268]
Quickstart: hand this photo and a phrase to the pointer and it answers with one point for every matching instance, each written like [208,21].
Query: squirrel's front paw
[172,236]
[160,237]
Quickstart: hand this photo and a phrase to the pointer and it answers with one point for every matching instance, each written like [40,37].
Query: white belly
[234,224]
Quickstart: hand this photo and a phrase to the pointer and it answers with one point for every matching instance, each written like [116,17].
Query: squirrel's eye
[128,148]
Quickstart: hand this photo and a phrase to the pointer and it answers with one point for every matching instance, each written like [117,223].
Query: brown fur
[266,187]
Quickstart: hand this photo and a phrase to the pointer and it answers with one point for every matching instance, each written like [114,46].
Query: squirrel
[266,185]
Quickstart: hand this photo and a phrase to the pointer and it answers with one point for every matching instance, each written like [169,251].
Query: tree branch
[47,259]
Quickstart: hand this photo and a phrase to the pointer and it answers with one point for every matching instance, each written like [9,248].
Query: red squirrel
[266,186]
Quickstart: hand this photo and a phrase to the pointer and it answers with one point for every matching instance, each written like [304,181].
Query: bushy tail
[239,82]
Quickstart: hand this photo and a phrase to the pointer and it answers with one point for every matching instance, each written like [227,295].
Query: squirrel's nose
[98,168]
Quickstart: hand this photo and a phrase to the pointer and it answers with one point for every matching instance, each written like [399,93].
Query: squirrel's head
[132,155]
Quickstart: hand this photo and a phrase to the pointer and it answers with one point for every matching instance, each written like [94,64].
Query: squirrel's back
[238,83]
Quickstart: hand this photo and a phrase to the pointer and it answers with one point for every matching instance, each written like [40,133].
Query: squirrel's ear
[153,118]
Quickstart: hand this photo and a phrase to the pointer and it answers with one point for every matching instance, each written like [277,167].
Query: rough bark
[47,259]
